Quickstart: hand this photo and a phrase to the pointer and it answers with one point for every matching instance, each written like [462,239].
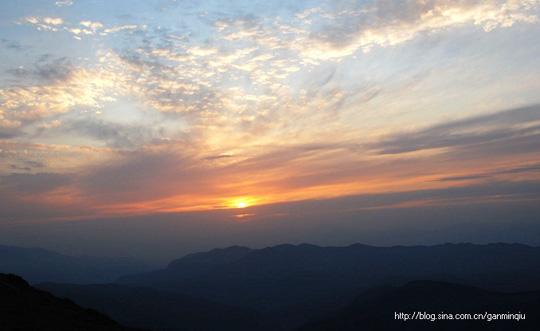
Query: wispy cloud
[64,3]
[45,23]
[78,30]
[353,26]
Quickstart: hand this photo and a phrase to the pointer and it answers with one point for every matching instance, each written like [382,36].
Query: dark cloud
[144,175]
[459,178]
[509,171]
[217,157]
[46,69]
[8,133]
[27,165]
[18,167]
[11,45]
[33,183]
[500,132]
[496,192]
[117,135]
[518,170]
[511,146]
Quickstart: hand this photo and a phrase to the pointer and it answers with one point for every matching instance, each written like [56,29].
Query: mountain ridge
[312,280]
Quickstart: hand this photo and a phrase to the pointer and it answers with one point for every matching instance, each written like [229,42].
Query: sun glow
[240,202]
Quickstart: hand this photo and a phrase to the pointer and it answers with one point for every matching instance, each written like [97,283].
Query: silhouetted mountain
[296,283]
[24,308]
[40,265]
[376,310]
[158,310]
[193,265]
[199,263]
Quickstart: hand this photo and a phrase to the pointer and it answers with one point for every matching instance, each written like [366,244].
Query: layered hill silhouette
[24,308]
[159,310]
[41,265]
[511,267]
[376,310]
[287,287]
[295,283]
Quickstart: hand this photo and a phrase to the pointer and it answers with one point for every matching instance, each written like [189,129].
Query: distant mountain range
[287,287]
[276,277]
[40,265]
[295,283]
[24,308]
[433,302]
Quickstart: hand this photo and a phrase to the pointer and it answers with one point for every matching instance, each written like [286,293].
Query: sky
[187,120]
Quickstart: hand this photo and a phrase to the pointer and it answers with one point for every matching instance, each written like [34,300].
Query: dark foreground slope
[376,310]
[158,310]
[41,265]
[24,308]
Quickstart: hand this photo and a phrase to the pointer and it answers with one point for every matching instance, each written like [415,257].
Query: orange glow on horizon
[280,195]
[272,189]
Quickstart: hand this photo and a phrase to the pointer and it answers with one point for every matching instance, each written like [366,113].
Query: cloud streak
[499,127]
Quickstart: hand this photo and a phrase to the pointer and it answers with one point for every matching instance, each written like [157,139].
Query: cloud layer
[128,111]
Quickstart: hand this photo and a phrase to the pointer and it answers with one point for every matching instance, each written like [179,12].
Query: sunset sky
[119,108]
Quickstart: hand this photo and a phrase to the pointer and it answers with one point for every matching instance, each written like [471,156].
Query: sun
[241,204]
